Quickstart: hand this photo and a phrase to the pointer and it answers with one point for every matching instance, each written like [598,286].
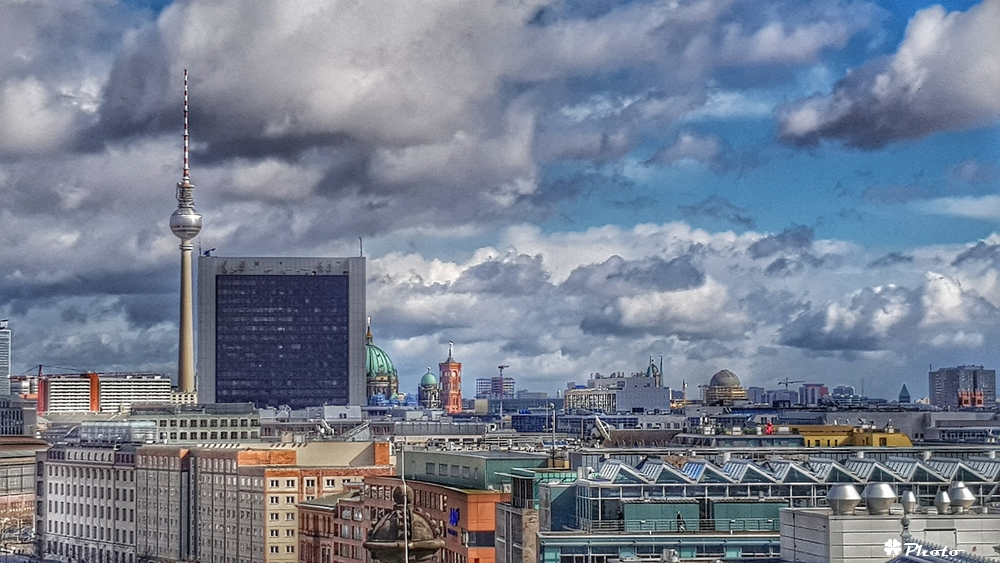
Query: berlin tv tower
[186,224]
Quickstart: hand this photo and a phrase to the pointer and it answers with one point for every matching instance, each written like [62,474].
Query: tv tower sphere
[185,222]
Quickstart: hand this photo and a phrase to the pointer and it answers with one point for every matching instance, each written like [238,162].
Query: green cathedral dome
[377,362]
[428,379]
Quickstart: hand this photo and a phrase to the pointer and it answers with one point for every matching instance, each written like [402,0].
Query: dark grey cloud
[18,294]
[891,259]
[868,321]
[771,307]
[713,352]
[943,77]
[793,265]
[603,284]
[717,207]
[982,251]
[73,314]
[523,347]
[797,239]
[940,313]
[617,276]
[515,276]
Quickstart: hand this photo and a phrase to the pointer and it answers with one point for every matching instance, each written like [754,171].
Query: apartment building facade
[221,504]
[97,392]
[86,503]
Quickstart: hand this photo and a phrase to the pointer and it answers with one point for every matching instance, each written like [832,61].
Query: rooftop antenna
[361,246]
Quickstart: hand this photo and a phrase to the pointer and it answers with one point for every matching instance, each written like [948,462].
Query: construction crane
[787,382]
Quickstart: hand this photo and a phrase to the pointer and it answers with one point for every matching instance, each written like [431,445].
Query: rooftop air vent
[942,501]
[843,498]
[878,498]
[909,502]
[961,497]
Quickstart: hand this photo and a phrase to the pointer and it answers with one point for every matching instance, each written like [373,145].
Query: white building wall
[118,394]
[4,361]
[69,394]
[814,535]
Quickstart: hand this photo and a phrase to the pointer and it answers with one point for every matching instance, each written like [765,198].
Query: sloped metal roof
[742,470]
[898,469]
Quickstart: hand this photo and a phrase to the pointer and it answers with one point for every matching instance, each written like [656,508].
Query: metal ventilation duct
[843,498]
[909,502]
[942,501]
[878,498]
[961,497]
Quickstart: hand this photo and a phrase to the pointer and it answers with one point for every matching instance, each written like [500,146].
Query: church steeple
[904,395]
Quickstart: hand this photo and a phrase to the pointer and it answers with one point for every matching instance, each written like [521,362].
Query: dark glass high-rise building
[281,331]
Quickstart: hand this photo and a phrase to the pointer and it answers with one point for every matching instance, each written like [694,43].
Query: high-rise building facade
[811,393]
[963,386]
[281,331]
[4,358]
[495,388]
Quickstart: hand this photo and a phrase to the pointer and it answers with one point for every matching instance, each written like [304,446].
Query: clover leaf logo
[893,548]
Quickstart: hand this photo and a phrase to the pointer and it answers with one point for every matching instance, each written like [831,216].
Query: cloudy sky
[800,188]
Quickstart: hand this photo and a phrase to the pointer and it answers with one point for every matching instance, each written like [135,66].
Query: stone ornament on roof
[404,536]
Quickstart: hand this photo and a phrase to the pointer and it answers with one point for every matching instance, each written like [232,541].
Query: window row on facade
[88,531]
[91,511]
[72,550]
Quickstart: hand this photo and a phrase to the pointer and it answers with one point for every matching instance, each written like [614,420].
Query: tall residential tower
[186,224]
[4,358]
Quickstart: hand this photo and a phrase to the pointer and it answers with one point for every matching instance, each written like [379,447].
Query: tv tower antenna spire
[185,223]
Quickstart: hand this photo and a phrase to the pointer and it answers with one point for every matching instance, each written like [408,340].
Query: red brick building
[451,384]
